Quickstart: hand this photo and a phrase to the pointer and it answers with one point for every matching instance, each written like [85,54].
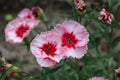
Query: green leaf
[115,51]
[34,32]
[117,39]
[115,7]
[52,70]
[110,3]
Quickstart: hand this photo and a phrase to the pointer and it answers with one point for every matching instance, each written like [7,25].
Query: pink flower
[47,49]
[26,13]
[80,5]
[46,62]
[117,72]
[105,16]
[97,78]
[18,29]
[74,37]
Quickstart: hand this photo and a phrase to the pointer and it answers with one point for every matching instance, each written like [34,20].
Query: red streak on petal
[21,30]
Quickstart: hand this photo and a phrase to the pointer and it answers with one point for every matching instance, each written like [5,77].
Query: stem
[45,22]
[75,14]
[110,39]
[80,19]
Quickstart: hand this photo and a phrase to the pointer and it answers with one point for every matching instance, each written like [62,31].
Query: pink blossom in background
[46,47]
[105,16]
[17,29]
[26,13]
[80,5]
[97,78]
[74,37]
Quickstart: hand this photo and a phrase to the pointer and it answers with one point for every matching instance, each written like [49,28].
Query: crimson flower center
[69,40]
[29,16]
[49,48]
[77,1]
[21,30]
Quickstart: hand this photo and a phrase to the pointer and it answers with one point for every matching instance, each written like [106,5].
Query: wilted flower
[47,49]
[106,16]
[38,12]
[117,72]
[74,37]
[80,6]
[97,78]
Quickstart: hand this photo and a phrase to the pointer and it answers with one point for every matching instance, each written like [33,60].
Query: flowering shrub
[68,50]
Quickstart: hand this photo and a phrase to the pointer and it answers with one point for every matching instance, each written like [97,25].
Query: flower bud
[38,12]
[13,68]
[117,72]
[106,16]
[80,6]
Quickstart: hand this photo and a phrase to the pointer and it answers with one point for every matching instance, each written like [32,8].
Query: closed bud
[38,12]
[106,16]
[80,6]
[13,68]
[117,72]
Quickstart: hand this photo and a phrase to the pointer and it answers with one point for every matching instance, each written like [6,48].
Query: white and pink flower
[18,29]
[46,47]
[97,78]
[105,16]
[26,13]
[74,37]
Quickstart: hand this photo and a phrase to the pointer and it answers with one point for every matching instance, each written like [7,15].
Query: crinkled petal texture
[74,37]
[80,5]
[105,16]
[26,13]
[97,78]
[18,29]
[46,62]
[46,47]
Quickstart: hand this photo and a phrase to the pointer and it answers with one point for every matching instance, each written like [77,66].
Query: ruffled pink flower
[80,5]
[47,49]
[105,16]
[46,62]
[18,29]
[97,78]
[74,37]
[26,13]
